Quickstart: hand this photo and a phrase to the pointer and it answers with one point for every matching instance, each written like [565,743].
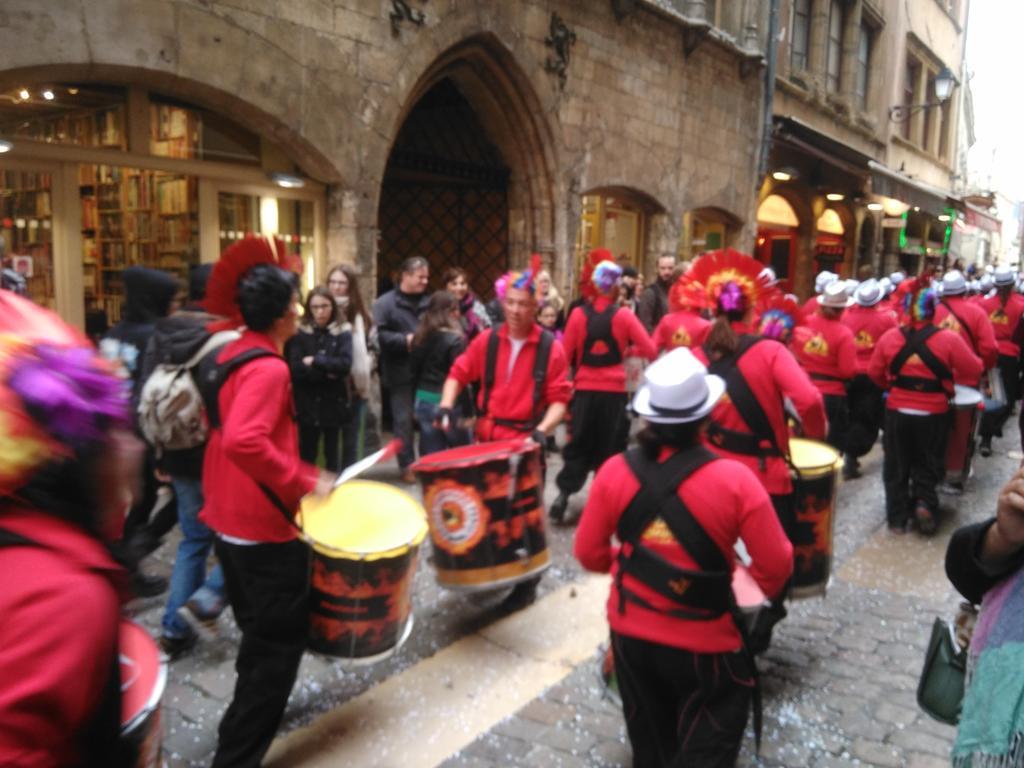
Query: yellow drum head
[811,455]
[363,520]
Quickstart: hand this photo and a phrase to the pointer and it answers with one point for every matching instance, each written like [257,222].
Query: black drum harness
[915,342]
[599,328]
[540,372]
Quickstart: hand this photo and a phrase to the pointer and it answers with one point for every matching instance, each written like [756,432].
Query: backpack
[171,411]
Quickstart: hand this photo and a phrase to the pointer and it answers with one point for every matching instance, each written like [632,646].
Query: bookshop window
[83,115]
[179,130]
[242,216]
[26,226]
[133,217]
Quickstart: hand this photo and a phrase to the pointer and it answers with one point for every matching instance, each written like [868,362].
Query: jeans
[268,586]
[433,439]
[309,445]
[401,423]
[189,578]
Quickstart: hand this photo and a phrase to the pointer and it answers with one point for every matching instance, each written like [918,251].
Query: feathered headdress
[732,282]
[917,299]
[239,258]
[526,279]
[779,316]
[595,257]
[689,296]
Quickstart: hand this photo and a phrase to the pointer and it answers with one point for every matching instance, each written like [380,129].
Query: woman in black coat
[320,358]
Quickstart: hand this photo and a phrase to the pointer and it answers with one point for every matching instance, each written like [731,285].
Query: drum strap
[966,328]
[916,343]
[213,375]
[750,410]
[599,328]
[708,590]
[540,373]
[99,742]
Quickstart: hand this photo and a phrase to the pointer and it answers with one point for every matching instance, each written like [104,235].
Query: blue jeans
[189,578]
[433,439]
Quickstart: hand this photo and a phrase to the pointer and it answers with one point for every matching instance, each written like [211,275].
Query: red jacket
[729,503]
[680,329]
[258,443]
[60,605]
[512,396]
[1005,319]
[979,333]
[772,375]
[951,350]
[826,350]
[627,331]
[867,324]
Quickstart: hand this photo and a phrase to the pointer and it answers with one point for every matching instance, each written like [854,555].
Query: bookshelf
[26,223]
[134,217]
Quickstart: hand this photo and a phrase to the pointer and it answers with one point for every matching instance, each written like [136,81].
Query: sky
[993,45]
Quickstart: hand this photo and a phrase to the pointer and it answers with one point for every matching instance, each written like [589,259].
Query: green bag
[940,691]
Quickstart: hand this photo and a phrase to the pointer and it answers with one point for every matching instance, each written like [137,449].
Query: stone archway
[470,147]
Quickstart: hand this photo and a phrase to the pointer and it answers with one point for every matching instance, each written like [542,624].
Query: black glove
[539,438]
[444,419]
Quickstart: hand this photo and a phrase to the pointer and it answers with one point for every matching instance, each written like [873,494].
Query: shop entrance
[445,194]
[777,226]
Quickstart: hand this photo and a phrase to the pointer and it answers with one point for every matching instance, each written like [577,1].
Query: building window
[944,123]
[864,44]
[801,34]
[835,45]
[927,142]
[910,80]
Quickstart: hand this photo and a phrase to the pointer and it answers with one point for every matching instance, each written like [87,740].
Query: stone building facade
[473,130]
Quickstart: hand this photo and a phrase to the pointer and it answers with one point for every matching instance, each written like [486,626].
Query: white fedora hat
[677,389]
[953,283]
[835,296]
[869,293]
[1004,276]
[824,278]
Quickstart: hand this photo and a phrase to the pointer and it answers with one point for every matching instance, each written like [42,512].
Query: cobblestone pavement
[839,679]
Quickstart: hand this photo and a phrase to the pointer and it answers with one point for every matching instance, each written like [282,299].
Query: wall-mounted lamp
[875,206]
[944,82]
[785,174]
[287,180]
[835,197]
[5,146]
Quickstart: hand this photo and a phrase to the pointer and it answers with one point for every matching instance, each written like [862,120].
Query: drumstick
[361,466]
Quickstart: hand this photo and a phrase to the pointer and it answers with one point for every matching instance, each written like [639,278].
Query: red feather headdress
[239,258]
[595,257]
[731,281]
[779,315]
[687,296]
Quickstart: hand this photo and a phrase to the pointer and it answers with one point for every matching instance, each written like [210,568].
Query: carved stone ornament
[560,39]
[401,11]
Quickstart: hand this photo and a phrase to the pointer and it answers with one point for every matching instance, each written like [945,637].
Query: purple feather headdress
[731,298]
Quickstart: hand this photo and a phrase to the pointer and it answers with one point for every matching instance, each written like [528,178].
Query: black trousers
[993,421]
[838,413]
[309,445]
[866,408]
[268,588]
[401,422]
[682,709]
[599,430]
[915,461]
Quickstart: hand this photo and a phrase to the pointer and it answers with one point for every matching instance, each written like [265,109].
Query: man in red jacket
[596,336]
[825,348]
[253,480]
[868,319]
[918,365]
[1005,309]
[669,514]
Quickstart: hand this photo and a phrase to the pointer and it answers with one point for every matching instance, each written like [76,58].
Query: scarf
[991,729]
[474,318]
[361,364]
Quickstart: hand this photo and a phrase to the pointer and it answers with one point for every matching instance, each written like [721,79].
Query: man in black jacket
[653,302]
[396,315]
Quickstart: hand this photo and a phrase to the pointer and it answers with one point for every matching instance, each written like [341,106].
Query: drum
[749,599]
[815,482]
[143,678]
[996,386]
[963,428]
[485,508]
[365,538]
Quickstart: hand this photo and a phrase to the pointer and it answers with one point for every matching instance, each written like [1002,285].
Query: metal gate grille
[448,225]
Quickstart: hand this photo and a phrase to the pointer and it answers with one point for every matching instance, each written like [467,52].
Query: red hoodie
[951,350]
[680,329]
[978,333]
[627,331]
[867,324]
[729,503]
[826,350]
[773,375]
[1005,318]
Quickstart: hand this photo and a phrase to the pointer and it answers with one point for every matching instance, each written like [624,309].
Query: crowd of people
[219,407]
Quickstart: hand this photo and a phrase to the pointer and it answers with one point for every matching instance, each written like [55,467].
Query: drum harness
[540,372]
[916,343]
[964,326]
[701,595]
[599,328]
[746,443]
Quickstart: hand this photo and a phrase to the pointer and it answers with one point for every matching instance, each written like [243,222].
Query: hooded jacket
[321,397]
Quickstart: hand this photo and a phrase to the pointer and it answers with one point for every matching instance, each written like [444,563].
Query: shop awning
[889,183]
[977,217]
[794,133]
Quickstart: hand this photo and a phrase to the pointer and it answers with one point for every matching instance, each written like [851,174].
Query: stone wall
[332,82]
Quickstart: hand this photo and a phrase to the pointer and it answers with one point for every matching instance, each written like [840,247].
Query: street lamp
[944,82]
